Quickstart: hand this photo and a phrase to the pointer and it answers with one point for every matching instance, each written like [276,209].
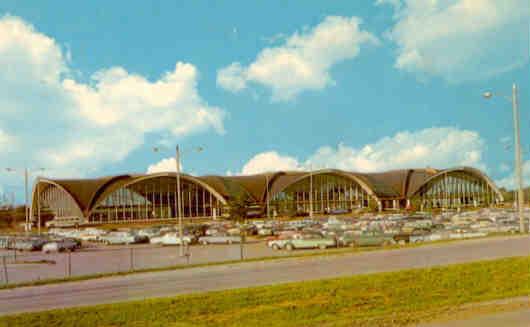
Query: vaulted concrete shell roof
[395,184]
[467,170]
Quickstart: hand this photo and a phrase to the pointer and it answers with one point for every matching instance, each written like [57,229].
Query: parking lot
[96,257]
[107,259]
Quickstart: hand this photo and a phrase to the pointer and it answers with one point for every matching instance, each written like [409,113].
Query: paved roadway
[167,283]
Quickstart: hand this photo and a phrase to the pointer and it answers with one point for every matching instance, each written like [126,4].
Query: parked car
[149,232]
[405,236]
[365,238]
[265,231]
[28,244]
[123,238]
[279,242]
[219,239]
[419,235]
[60,246]
[91,234]
[172,239]
[307,241]
[6,242]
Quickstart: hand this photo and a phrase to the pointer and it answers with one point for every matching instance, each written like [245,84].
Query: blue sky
[361,85]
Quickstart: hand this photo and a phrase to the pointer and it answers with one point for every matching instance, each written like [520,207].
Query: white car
[172,239]
[122,238]
[60,246]
[91,234]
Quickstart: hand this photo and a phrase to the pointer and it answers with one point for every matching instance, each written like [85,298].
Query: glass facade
[454,190]
[330,193]
[155,199]
[59,202]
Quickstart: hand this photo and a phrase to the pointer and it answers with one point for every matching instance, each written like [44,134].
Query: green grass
[383,299]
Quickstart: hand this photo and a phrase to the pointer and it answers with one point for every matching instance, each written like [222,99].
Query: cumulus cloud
[164,165]
[53,120]
[509,181]
[438,147]
[270,161]
[302,62]
[459,40]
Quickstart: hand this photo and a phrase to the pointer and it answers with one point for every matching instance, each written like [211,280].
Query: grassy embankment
[384,299]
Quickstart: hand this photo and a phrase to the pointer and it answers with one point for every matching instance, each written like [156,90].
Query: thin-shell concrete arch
[61,202]
[469,170]
[303,175]
[154,197]
[456,187]
[321,191]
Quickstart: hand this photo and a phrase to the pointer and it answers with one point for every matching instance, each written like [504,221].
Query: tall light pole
[267,195]
[311,191]
[179,200]
[26,173]
[517,150]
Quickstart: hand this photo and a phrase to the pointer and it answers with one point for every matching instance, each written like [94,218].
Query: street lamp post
[311,192]
[178,195]
[26,172]
[267,195]
[517,150]
[179,203]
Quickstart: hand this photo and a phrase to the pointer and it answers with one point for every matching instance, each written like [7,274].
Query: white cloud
[302,62]
[397,4]
[164,165]
[232,78]
[74,127]
[504,167]
[509,181]
[460,39]
[439,147]
[270,161]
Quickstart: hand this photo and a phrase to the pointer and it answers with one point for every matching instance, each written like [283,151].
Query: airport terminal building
[153,197]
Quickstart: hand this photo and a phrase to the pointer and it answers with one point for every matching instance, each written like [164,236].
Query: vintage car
[123,238]
[365,238]
[413,236]
[60,246]
[172,239]
[304,241]
[150,232]
[91,234]
[28,244]
[219,239]
[6,242]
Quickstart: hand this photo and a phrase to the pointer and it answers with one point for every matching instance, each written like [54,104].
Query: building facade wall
[156,199]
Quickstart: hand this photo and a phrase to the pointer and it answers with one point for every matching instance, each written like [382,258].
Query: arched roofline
[268,187]
[336,172]
[101,189]
[154,176]
[50,182]
[473,171]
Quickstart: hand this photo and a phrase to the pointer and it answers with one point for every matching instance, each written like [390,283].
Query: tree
[238,213]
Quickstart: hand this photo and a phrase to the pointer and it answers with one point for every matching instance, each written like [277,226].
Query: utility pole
[179,204]
[311,192]
[38,204]
[519,174]
[267,195]
[517,150]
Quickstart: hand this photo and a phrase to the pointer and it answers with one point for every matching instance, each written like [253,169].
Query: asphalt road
[167,283]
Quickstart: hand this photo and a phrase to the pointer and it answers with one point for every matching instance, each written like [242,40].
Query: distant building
[152,197]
